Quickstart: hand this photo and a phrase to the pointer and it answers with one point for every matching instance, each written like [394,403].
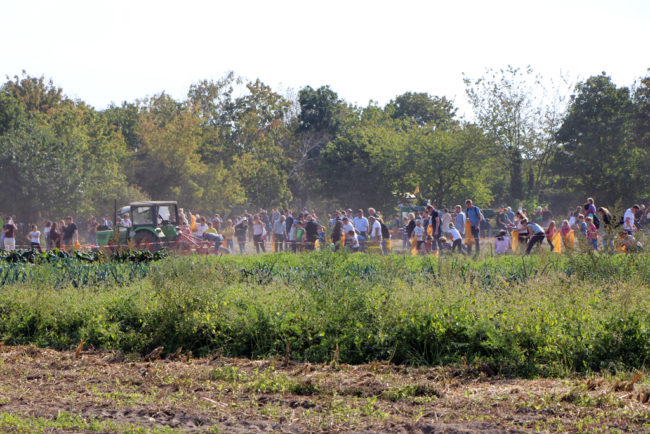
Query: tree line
[233,144]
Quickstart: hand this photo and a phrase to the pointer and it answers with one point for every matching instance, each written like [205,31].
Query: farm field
[325,341]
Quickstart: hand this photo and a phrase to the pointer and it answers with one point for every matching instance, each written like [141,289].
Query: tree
[596,155]
[423,109]
[522,115]
[35,93]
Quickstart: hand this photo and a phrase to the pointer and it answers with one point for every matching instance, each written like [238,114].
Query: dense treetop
[233,143]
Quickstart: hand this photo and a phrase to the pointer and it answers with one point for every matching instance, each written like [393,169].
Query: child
[445,246]
[502,242]
[457,239]
[351,241]
[582,225]
[418,233]
[428,245]
[35,238]
[592,232]
[550,231]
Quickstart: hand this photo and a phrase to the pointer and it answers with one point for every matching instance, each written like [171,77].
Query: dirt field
[89,390]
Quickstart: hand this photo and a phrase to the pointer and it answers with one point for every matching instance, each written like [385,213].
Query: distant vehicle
[153,224]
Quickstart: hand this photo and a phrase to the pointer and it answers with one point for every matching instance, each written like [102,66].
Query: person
[511,215]
[475,216]
[405,233]
[361,226]
[229,234]
[550,231]
[375,231]
[201,228]
[351,241]
[565,230]
[54,241]
[535,232]
[427,247]
[70,234]
[385,235]
[582,225]
[502,242]
[212,235]
[9,231]
[46,233]
[241,233]
[592,232]
[418,233]
[259,232]
[629,225]
[126,221]
[311,232]
[35,238]
[279,232]
[607,230]
[522,233]
[434,222]
[459,220]
[410,226]
[337,233]
[445,221]
[538,217]
[590,208]
[502,219]
[299,235]
[457,239]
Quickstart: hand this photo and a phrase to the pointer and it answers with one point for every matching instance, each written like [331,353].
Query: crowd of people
[426,231]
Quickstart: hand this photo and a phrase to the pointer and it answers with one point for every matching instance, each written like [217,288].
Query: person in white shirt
[502,243]
[347,226]
[445,221]
[361,225]
[457,239]
[201,228]
[628,219]
[375,230]
[35,238]
[126,222]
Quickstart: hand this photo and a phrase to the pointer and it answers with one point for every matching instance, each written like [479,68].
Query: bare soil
[238,395]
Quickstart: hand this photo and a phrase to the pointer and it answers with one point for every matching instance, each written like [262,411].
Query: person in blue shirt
[475,216]
[537,234]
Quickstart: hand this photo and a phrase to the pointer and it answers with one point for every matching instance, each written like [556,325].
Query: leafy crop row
[541,315]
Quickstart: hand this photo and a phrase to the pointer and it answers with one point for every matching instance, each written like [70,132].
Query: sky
[105,52]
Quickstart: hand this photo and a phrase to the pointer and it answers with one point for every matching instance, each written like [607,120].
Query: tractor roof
[154,203]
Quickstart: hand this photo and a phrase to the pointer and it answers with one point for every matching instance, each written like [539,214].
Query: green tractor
[154,224]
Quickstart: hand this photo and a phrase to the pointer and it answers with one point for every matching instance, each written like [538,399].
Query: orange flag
[556,240]
[469,240]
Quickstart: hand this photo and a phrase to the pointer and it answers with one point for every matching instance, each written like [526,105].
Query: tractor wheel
[145,240]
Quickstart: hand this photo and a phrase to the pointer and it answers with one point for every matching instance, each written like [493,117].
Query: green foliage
[542,315]
[596,153]
[233,144]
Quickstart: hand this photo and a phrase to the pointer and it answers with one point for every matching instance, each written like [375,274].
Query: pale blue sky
[110,51]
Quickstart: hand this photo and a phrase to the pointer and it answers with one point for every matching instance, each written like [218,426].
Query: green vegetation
[70,422]
[233,144]
[539,315]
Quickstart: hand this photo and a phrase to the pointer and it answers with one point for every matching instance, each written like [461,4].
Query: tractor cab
[152,223]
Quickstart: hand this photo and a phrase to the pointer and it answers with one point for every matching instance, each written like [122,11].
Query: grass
[544,315]
[69,422]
